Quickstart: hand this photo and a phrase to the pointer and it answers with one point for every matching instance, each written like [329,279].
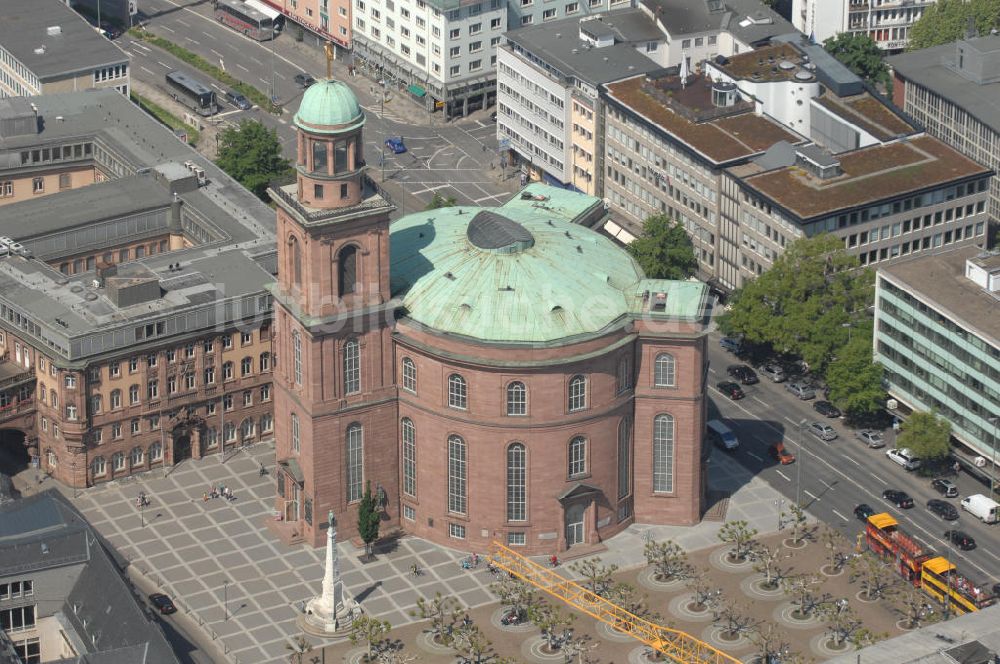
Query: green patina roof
[521,272]
[329,103]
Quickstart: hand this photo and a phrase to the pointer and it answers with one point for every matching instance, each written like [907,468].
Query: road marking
[141,46]
[852,461]
[881,481]
[280,76]
[184,23]
[228,113]
[754,456]
[486,198]
[841,515]
[430,189]
[163,64]
[788,419]
[164,28]
[762,403]
[146,70]
[216,53]
[787,478]
[809,493]
[193,41]
[243,68]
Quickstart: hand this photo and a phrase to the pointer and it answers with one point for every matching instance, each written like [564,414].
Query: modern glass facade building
[937,333]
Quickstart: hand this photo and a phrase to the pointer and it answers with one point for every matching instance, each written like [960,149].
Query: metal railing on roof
[314,214]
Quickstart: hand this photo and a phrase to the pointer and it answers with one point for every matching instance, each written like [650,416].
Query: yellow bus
[940,579]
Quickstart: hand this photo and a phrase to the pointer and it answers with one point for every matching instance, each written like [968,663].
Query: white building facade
[887,22]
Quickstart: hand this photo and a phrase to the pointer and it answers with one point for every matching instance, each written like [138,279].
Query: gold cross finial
[328,47]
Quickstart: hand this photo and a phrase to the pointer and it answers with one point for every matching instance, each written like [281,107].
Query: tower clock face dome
[329,106]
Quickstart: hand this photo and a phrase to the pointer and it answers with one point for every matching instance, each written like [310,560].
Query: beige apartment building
[134,317]
[329,19]
[50,48]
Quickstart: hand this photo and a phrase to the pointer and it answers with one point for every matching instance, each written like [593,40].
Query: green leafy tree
[664,250]
[440,201]
[801,304]
[740,535]
[516,594]
[947,20]
[798,520]
[668,559]
[844,626]
[369,519]
[596,575]
[251,154]
[926,434]
[371,631]
[859,53]
[803,589]
[855,381]
[442,613]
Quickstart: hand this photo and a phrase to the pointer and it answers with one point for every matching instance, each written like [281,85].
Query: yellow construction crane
[678,646]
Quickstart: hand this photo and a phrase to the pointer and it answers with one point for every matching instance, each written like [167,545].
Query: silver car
[822,431]
[774,372]
[871,438]
[801,390]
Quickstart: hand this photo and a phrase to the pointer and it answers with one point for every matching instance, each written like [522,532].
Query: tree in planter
[369,520]
[442,612]
[767,561]
[596,575]
[472,644]
[626,596]
[843,625]
[926,434]
[734,618]
[705,595]
[799,523]
[875,577]
[553,622]
[515,594]
[394,656]
[834,543]
[371,631]
[299,648]
[911,604]
[768,641]
[740,535]
[668,559]
[578,648]
[802,588]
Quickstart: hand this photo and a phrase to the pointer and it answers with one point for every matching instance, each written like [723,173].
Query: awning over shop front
[416,90]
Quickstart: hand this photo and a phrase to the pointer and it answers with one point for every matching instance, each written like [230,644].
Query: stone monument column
[330,613]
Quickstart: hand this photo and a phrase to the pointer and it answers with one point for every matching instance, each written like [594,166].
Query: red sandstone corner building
[499,373]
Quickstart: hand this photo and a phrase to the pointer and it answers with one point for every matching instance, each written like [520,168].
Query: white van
[985,509]
[722,436]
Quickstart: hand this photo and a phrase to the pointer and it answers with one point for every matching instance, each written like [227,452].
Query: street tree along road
[251,154]
[664,250]
[926,434]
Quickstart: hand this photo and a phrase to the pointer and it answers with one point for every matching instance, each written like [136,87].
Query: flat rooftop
[749,20]
[77,48]
[558,44]
[940,280]
[870,174]
[777,62]
[737,134]
[867,112]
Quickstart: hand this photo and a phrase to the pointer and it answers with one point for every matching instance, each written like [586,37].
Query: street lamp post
[778,504]
[798,467]
[993,470]
[225,598]
[849,326]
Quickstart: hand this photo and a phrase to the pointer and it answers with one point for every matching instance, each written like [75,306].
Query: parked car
[163,604]
[395,144]
[731,390]
[961,539]
[904,457]
[774,372]
[801,390]
[942,508]
[303,79]
[900,499]
[238,100]
[871,438]
[822,431]
[780,454]
[743,373]
[826,409]
[722,436]
[732,344]
[945,487]
[863,511]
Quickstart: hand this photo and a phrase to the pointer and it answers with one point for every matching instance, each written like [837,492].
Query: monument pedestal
[330,614]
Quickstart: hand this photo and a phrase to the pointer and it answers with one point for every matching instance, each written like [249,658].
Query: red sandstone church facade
[540,446]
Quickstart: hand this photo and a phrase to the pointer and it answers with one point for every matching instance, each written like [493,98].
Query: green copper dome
[328,104]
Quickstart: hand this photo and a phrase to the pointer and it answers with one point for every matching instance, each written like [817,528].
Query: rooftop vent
[53,30]
[40,50]
[786,65]
[803,76]
[724,94]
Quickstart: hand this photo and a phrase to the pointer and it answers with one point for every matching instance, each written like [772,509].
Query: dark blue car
[395,143]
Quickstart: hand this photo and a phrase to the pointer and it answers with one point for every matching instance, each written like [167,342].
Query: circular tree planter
[719,637]
[721,559]
[535,649]
[787,614]
[824,646]
[430,643]
[757,587]
[863,597]
[648,579]
[606,631]
[790,543]
[905,626]
[681,606]
[831,571]
[495,620]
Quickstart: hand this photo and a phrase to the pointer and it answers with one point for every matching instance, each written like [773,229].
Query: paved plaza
[201,552]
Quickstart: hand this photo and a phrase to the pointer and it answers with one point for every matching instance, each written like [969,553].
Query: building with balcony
[548,76]
[62,597]
[137,301]
[887,22]
[953,90]
[47,48]
[938,336]
[424,357]
[328,20]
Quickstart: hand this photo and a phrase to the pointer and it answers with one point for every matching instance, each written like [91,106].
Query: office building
[427,357]
[62,596]
[442,53]
[953,90]
[548,76]
[134,320]
[887,22]
[937,334]
[328,20]
[46,47]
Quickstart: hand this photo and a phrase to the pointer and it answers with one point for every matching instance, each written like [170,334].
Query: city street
[839,474]
[453,159]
